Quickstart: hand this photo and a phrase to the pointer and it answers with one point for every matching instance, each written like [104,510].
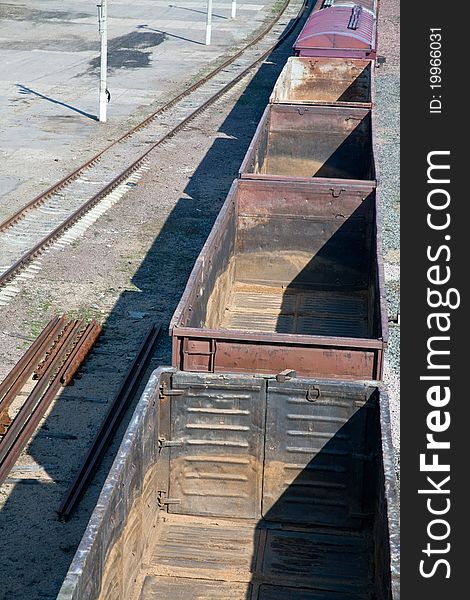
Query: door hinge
[164,502]
[166,391]
[164,443]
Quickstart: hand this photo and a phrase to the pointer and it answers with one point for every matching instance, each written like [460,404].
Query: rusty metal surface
[328,81]
[340,359]
[301,143]
[263,557]
[24,369]
[255,558]
[85,344]
[338,314]
[316,443]
[36,394]
[31,353]
[329,32]
[68,349]
[275,243]
[35,406]
[57,342]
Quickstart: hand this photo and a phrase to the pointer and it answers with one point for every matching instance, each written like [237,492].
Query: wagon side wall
[116,540]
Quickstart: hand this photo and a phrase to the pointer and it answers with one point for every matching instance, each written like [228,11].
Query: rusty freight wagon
[325,81]
[289,278]
[237,487]
[299,142]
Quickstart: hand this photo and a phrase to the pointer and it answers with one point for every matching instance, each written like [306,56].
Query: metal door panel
[314,454]
[216,447]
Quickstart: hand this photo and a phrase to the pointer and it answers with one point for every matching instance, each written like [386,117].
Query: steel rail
[30,354]
[39,400]
[87,206]
[84,346]
[25,367]
[52,350]
[34,397]
[115,413]
[74,174]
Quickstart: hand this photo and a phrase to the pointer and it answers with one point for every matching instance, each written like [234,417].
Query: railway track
[99,182]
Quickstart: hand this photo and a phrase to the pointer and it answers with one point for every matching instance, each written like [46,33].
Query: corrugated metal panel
[298,311]
[216,466]
[315,447]
[308,143]
[257,561]
[206,545]
[329,29]
[270,592]
[182,588]
[333,560]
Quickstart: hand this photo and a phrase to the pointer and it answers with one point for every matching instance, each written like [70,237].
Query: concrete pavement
[49,51]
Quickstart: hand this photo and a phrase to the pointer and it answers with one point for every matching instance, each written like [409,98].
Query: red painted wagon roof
[368,5]
[328,28]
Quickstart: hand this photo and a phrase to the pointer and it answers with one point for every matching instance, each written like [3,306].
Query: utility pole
[234,9]
[209,23]
[102,27]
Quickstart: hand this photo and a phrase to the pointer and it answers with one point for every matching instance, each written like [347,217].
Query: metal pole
[234,9]
[209,22]
[102,21]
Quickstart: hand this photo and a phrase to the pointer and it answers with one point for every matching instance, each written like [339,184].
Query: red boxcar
[339,31]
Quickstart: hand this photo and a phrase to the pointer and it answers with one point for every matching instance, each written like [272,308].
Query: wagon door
[314,454]
[215,444]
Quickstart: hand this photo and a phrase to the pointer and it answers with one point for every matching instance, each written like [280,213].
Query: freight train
[291,277]
[259,466]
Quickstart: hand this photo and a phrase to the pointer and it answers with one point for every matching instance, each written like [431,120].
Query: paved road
[49,78]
